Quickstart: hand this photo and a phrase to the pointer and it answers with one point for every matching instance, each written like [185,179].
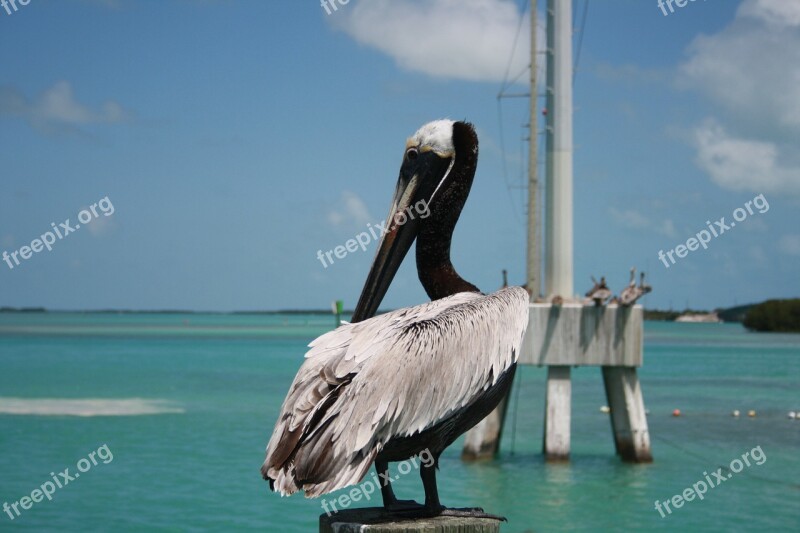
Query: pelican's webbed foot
[403,506]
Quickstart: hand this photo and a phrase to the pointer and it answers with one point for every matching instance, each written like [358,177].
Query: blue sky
[236,138]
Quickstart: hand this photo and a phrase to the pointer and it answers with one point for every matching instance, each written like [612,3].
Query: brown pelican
[631,293]
[387,388]
[600,292]
[628,295]
[644,287]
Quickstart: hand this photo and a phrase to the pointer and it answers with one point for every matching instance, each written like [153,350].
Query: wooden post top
[376,520]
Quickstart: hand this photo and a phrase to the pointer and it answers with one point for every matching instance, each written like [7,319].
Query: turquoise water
[190,402]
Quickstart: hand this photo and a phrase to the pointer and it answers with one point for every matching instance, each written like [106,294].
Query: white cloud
[667,228]
[790,244]
[56,109]
[102,225]
[758,51]
[460,39]
[780,13]
[743,164]
[636,220]
[733,67]
[351,211]
[629,217]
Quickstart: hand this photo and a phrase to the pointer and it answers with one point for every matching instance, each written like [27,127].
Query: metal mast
[534,282]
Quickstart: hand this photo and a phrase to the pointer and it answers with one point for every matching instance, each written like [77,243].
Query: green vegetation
[774,315]
[734,314]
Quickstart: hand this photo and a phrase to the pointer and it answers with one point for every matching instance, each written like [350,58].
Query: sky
[222,144]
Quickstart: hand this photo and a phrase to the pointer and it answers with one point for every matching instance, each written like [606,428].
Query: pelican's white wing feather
[391,376]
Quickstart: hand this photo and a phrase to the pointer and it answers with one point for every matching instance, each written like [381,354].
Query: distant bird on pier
[599,292]
[628,294]
[631,293]
[644,287]
[388,388]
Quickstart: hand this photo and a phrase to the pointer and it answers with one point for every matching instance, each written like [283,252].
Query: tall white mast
[558,178]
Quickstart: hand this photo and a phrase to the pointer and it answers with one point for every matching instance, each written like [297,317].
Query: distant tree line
[774,315]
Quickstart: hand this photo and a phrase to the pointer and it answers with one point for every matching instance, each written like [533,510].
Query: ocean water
[185,404]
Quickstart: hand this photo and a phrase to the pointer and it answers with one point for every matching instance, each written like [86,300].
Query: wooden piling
[376,520]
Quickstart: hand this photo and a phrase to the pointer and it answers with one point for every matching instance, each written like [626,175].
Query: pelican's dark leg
[433,506]
[390,501]
[428,475]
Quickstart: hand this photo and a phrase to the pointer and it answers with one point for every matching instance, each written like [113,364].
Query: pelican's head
[438,164]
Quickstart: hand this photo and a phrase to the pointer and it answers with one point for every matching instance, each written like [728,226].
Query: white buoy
[735,413]
[792,415]
[605,409]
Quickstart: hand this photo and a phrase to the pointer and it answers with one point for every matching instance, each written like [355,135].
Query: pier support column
[483,440]
[376,520]
[628,419]
[557,414]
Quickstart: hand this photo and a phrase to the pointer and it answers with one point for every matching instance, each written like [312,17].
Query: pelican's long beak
[418,180]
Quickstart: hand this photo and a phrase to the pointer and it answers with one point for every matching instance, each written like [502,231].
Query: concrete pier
[557,414]
[628,420]
[576,335]
[583,335]
[376,520]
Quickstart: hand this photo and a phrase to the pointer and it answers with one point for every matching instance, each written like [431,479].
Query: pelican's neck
[435,270]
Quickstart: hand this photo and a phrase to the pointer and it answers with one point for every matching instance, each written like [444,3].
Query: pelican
[631,293]
[600,292]
[628,295]
[408,382]
[644,287]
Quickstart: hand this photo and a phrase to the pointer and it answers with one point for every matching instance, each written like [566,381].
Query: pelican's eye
[412,154]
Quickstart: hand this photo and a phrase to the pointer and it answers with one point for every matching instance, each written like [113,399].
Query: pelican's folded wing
[391,376]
